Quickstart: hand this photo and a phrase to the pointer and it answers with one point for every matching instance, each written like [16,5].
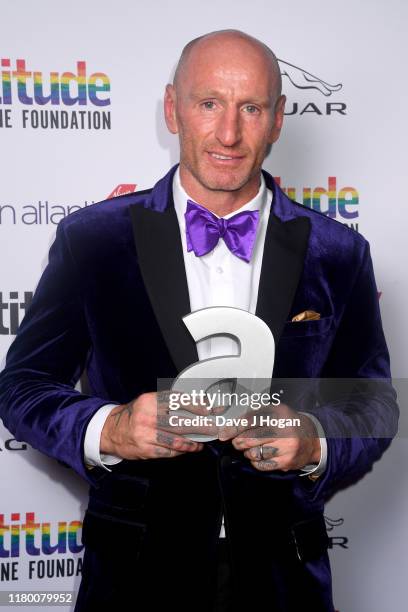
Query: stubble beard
[207,178]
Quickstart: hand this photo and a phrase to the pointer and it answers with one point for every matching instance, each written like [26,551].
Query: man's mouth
[222,157]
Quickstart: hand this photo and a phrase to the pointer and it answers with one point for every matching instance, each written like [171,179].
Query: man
[121,276]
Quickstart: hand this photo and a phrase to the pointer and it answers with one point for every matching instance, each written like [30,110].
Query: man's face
[225,111]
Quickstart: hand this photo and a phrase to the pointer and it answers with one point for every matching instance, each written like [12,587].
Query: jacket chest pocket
[301,329]
[304,347]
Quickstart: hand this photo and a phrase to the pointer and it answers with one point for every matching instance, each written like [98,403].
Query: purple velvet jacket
[110,301]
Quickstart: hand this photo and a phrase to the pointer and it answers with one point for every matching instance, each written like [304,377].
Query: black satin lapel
[160,255]
[282,266]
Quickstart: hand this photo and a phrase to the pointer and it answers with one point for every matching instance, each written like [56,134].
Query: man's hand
[285,449]
[141,430]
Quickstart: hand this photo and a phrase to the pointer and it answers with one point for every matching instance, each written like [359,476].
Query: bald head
[236,42]
[225,104]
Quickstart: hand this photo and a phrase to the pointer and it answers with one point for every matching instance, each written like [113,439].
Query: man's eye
[209,105]
[251,109]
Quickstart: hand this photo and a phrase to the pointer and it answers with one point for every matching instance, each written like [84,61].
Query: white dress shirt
[218,278]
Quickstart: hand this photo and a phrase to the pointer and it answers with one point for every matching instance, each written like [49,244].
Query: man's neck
[221,203]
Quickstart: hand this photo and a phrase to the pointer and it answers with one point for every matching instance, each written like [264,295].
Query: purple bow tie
[204,229]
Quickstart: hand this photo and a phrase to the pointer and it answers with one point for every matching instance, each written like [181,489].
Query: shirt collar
[180,198]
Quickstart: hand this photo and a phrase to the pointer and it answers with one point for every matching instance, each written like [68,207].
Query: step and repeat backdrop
[81,88]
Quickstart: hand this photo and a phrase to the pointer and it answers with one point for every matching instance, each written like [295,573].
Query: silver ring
[261,452]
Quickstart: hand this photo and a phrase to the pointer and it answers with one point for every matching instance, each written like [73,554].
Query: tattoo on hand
[165,438]
[267,464]
[126,410]
[162,452]
[162,420]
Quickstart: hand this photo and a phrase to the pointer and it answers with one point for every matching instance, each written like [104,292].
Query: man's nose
[228,130]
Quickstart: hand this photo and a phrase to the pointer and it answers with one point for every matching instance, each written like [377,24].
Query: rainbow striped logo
[31,87]
[29,536]
[335,203]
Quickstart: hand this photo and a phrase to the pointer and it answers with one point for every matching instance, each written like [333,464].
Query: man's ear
[170,109]
[278,119]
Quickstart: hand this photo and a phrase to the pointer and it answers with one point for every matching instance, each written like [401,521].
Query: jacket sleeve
[356,405]
[38,401]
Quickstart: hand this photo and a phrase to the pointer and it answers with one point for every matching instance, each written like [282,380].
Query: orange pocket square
[306,315]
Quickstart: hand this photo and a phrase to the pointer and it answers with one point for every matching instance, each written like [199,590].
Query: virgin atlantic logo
[122,189]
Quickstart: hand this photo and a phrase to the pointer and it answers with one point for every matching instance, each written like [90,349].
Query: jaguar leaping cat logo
[305,80]
[332,523]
